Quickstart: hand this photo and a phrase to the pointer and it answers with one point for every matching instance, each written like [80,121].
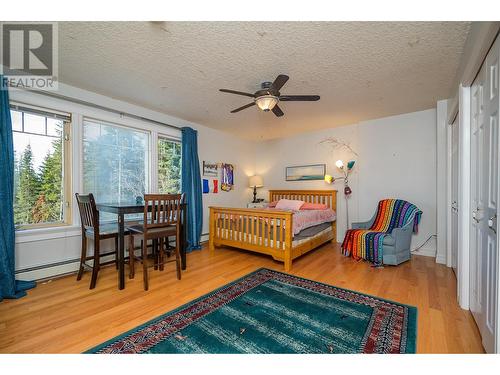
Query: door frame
[449,152]
[464,219]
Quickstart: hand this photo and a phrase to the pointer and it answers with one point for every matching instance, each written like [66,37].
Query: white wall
[397,159]
[215,146]
[47,252]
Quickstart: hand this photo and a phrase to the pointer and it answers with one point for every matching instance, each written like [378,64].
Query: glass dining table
[127,208]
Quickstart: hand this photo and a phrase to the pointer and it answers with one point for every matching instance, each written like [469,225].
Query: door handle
[492,223]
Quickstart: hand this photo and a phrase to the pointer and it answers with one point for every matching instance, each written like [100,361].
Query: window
[115,162]
[169,166]
[41,167]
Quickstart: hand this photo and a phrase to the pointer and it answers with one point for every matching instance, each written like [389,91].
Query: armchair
[395,233]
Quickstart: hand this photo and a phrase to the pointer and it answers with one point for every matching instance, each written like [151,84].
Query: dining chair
[93,230]
[162,219]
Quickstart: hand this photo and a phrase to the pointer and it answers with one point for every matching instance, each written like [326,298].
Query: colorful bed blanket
[367,243]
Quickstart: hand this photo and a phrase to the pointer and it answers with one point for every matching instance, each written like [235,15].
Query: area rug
[272,312]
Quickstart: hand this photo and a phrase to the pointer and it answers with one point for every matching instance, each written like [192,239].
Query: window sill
[50,233]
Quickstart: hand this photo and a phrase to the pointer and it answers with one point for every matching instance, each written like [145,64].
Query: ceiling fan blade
[242,108]
[277,111]
[237,92]
[279,82]
[299,98]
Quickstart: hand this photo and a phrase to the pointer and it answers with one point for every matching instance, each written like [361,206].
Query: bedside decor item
[257,205]
[272,312]
[210,169]
[227,177]
[305,172]
[255,182]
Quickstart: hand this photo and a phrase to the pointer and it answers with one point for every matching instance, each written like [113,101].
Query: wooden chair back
[162,210]
[89,215]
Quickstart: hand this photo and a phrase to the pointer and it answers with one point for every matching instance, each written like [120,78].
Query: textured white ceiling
[362,70]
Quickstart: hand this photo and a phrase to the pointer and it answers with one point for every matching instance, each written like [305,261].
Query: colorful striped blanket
[367,243]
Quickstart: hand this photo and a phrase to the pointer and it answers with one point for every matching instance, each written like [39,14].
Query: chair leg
[116,252]
[177,257]
[96,265]
[155,253]
[82,258]
[144,263]
[161,252]
[131,257]
[167,247]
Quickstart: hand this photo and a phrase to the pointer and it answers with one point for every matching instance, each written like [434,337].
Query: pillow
[289,204]
[272,204]
[313,206]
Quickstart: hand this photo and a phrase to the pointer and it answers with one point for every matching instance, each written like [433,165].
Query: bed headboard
[328,197]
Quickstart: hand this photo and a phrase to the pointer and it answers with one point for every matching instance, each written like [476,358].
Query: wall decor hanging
[338,144]
[305,172]
[216,186]
[227,182]
[206,189]
[210,169]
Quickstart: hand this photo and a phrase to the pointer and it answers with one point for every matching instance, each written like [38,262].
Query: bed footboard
[262,231]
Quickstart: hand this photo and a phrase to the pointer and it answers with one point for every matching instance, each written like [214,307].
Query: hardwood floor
[64,316]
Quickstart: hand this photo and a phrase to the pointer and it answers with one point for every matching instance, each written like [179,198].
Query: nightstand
[257,205]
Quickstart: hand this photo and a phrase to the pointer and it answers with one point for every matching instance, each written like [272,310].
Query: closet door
[489,269]
[484,199]
[477,196]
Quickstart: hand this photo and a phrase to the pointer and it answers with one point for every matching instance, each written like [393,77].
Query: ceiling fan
[269,95]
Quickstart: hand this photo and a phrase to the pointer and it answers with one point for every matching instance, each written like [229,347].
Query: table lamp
[255,182]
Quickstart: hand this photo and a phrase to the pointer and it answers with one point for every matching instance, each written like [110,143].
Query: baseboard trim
[425,252]
[62,268]
[441,259]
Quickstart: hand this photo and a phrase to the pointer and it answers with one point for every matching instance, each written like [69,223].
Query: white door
[454,194]
[484,197]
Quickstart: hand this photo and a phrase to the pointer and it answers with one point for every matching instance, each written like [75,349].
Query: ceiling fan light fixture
[266,102]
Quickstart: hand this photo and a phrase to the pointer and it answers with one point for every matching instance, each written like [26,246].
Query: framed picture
[306,172]
[210,169]
[227,182]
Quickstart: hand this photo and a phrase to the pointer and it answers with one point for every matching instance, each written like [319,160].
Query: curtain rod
[89,104]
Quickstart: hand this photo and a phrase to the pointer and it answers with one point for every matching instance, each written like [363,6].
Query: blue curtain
[9,287]
[191,186]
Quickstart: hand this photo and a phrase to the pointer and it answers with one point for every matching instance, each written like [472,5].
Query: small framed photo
[305,172]
[210,169]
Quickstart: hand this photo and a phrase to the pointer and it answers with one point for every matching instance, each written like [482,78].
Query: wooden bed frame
[255,229]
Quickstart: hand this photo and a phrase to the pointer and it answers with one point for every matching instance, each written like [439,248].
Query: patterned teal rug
[272,312]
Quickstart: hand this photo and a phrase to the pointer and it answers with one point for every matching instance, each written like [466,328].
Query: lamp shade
[329,179]
[266,102]
[339,164]
[255,181]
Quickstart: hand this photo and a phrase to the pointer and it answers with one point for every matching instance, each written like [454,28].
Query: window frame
[99,121]
[66,164]
[172,139]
